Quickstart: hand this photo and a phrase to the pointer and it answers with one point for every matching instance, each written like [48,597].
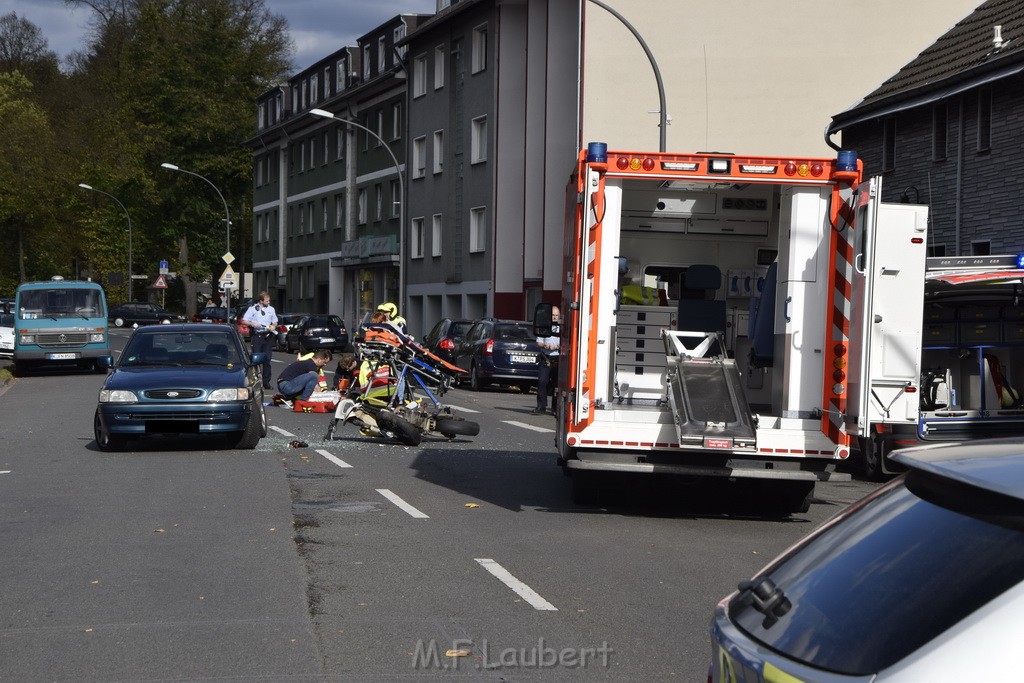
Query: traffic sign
[228,258]
[160,283]
[163,267]
[229,275]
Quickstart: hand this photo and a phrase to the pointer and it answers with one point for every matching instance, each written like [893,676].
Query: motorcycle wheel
[400,427]
[451,426]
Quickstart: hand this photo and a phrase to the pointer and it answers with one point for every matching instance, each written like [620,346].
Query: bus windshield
[60,302]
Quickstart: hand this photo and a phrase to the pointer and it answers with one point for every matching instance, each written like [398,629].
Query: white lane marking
[533,428]
[274,360]
[282,432]
[5,471]
[337,461]
[402,504]
[524,591]
[462,410]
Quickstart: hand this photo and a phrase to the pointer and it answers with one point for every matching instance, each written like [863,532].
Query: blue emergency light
[597,153]
[1020,260]
[846,160]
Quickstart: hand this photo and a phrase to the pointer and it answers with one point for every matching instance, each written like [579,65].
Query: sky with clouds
[317,27]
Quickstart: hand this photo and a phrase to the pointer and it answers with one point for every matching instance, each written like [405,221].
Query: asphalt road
[354,559]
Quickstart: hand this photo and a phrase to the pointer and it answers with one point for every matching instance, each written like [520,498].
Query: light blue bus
[59,322]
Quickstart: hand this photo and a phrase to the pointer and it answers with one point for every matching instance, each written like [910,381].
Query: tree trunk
[190,287]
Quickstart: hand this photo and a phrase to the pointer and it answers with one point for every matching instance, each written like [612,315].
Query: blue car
[500,352]
[182,379]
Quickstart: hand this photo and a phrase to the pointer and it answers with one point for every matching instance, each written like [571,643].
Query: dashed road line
[462,410]
[521,589]
[533,428]
[282,432]
[5,471]
[337,461]
[402,504]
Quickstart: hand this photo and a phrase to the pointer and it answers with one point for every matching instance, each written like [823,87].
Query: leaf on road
[158,531]
[457,653]
[472,505]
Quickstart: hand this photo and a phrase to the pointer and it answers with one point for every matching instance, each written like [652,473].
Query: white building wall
[746,76]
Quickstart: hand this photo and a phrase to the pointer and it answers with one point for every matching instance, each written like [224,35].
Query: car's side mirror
[259,358]
[104,362]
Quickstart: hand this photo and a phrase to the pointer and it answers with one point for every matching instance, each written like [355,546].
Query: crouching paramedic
[301,378]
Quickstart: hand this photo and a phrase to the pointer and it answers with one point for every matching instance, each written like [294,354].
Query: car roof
[185,327]
[995,465]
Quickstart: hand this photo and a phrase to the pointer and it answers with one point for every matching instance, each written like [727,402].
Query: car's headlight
[229,394]
[117,396]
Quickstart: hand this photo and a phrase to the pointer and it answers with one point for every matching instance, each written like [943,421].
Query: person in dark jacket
[301,378]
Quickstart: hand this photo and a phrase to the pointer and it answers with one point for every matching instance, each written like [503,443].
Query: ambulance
[745,318]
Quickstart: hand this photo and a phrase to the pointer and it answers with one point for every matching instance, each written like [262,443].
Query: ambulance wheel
[452,426]
[872,457]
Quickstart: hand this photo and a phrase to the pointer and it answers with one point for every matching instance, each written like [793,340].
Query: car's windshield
[60,302]
[181,348]
[904,567]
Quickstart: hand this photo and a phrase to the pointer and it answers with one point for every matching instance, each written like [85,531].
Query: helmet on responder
[389,308]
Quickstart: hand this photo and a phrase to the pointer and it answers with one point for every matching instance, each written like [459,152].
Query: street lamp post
[227,216]
[323,113]
[130,271]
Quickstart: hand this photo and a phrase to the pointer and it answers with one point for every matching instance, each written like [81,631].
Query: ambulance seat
[699,311]
[762,321]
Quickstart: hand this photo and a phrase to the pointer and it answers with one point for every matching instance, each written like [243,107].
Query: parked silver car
[922,580]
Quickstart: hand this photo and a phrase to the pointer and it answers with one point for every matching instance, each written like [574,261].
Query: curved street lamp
[227,216]
[130,271]
[324,114]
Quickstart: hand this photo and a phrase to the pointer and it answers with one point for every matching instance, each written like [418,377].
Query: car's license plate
[326,340]
[62,356]
[207,320]
[519,358]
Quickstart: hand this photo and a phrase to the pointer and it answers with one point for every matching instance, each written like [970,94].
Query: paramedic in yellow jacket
[393,317]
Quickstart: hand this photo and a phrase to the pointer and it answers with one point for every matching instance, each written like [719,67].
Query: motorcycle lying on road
[400,398]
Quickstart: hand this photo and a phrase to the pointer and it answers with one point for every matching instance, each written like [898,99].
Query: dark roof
[965,56]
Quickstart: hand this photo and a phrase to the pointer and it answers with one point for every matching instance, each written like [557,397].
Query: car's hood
[160,377]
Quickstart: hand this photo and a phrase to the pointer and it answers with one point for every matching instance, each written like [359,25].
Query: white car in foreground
[6,335]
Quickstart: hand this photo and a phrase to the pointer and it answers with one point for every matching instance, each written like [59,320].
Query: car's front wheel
[106,442]
[256,423]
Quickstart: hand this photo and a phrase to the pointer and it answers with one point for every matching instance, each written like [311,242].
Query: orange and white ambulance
[733,316]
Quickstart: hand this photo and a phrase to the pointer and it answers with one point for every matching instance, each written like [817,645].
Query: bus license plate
[61,356]
[518,358]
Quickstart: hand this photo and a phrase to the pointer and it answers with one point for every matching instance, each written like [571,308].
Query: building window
[327,142]
[981,248]
[295,99]
[378,192]
[438,150]
[312,216]
[419,162]
[312,153]
[366,62]
[435,236]
[940,131]
[314,84]
[396,198]
[366,132]
[984,120]
[361,206]
[339,210]
[259,172]
[479,48]
[323,210]
[382,55]
[438,67]
[889,144]
[327,81]
[396,121]
[416,238]
[305,92]
[340,143]
[477,228]
[380,127]
[302,219]
[419,76]
[478,140]
[396,37]
[340,75]
[302,157]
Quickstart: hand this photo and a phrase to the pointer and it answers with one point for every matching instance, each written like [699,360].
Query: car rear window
[514,332]
[459,328]
[909,563]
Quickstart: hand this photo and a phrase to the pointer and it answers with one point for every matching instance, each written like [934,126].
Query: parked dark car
[317,331]
[142,313]
[921,580]
[182,379]
[211,314]
[500,352]
[284,323]
[444,338]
